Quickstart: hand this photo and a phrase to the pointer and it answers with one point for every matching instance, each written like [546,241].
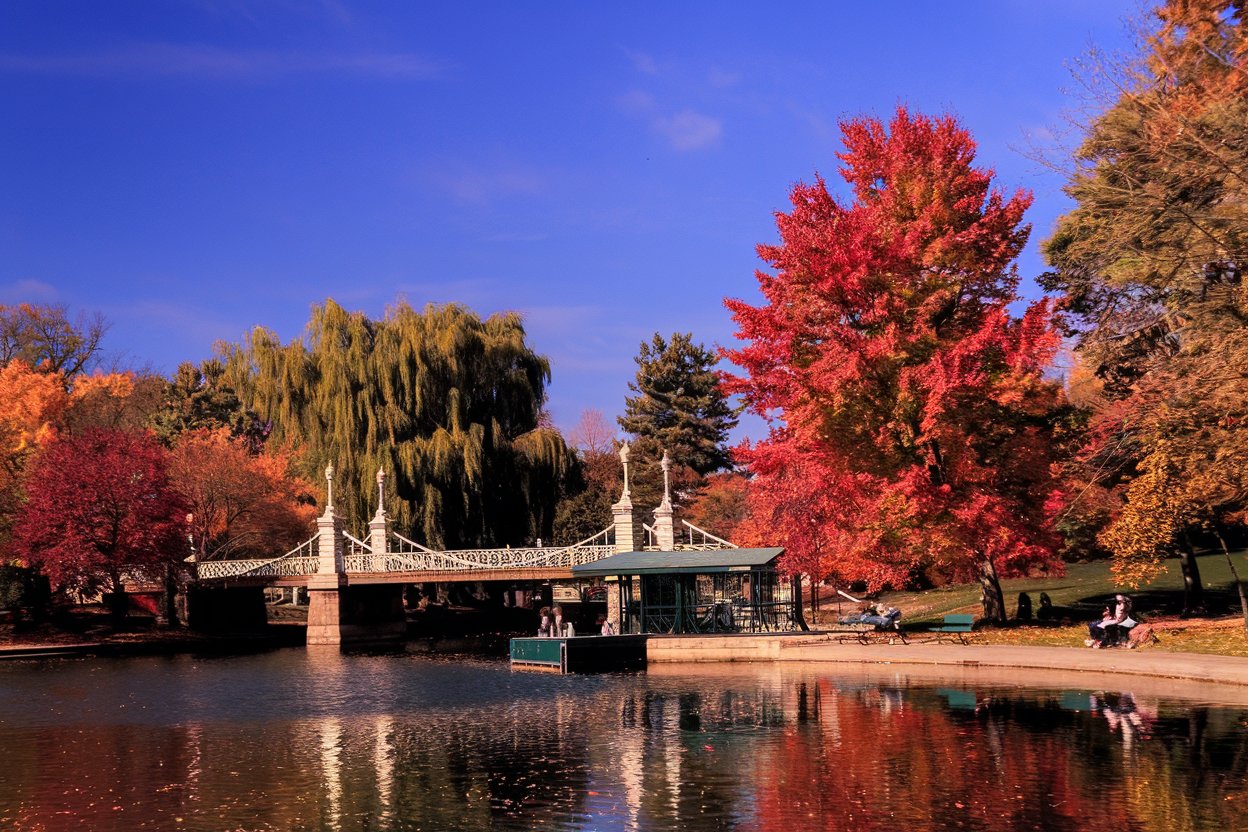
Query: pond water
[314,740]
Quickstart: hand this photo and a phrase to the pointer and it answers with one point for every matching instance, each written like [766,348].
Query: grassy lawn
[1079,595]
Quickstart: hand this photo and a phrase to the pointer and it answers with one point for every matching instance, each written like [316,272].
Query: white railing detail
[301,560]
[708,542]
[410,556]
[464,560]
[355,546]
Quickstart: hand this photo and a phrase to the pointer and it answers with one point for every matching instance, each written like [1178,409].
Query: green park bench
[957,624]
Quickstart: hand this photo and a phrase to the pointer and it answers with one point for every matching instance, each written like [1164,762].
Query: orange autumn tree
[1150,264]
[241,504]
[722,505]
[32,404]
[113,401]
[887,360]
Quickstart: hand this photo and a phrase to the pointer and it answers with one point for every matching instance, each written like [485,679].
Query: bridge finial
[666,464]
[329,491]
[381,491]
[624,462]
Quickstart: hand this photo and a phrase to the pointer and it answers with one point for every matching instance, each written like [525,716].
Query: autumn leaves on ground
[928,426]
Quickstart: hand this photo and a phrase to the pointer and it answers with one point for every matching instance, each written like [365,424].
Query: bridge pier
[351,615]
[341,614]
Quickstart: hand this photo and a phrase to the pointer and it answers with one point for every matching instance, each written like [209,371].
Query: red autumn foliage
[99,505]
[911,420]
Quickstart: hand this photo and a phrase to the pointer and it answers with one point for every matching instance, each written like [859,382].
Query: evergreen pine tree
[681,408]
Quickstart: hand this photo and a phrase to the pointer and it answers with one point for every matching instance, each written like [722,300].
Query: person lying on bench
[879,614]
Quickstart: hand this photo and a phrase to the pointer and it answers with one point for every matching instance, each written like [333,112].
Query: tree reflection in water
[391,743]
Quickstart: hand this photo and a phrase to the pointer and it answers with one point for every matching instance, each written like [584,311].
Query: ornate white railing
[699,540]
[412,557]
[353,546]
[409,556]
[301,560]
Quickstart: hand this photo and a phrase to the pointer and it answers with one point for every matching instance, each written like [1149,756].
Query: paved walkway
[1144,662]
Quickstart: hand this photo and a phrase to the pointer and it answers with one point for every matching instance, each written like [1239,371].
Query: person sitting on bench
[1113,626]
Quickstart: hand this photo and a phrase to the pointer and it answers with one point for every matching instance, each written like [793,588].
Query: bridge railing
[699,540]
[409,556]
[412,557]
[301,560]
[354,547]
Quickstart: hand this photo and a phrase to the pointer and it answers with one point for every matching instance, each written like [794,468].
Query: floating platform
[580,654]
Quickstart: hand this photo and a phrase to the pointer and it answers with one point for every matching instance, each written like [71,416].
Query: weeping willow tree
[448,404]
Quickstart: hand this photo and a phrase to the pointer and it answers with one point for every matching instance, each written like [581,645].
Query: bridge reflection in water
[319,740]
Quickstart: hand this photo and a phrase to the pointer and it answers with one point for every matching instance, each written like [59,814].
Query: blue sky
[193,169]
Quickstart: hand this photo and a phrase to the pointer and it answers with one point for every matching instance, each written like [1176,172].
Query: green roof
[654,563]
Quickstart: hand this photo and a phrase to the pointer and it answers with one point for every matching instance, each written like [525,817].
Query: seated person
[1096,629]
[1114,624]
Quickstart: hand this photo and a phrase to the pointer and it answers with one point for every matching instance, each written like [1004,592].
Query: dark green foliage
[197,397]
[679,404]
[200,397]
[586,508]
[449,405]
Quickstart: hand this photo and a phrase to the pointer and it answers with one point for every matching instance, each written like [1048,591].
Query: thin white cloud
[689,130]
[479,186]
[28,291]
[643,62]
[204,61]
[684,130]
[637,103]
[717,77]
[558,317]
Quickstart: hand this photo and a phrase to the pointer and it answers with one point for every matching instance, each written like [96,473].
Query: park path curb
[1196,667]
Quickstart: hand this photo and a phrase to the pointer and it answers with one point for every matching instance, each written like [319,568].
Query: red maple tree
[99,507]
[902,394]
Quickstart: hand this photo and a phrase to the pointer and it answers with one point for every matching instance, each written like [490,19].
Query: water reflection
[294,742]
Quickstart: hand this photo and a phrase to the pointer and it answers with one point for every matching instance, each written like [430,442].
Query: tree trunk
[991,595]
[796,583]
[118,604]
[1193,589]
[171,596]
[814,602]
[1239,585]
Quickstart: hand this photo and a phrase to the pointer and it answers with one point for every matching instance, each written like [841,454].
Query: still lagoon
[316,740]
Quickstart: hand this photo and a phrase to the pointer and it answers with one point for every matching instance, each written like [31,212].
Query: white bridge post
[378,527]
[629,534]
[324,598]
[664,530]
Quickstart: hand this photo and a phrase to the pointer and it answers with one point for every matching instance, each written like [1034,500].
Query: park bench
[956,624]
[868,633]
[865,632]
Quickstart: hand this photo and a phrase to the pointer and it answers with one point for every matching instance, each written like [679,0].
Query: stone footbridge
[347,577]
